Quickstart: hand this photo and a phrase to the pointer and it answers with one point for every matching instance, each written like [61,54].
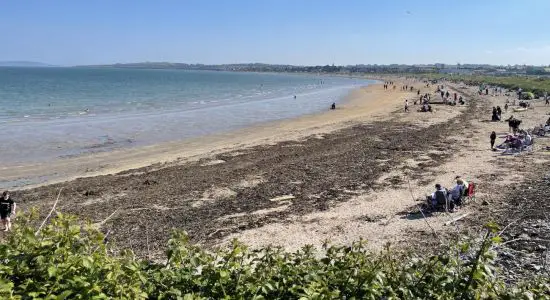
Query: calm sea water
[48,113]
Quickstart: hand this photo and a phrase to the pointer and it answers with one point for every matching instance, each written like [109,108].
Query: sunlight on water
[59,112]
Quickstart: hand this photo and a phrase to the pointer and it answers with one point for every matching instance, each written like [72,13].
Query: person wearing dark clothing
[506,107]
[333,106]
[7,208]
[513,124]
[495,117]
[499,112]
[493,138]
[440,198]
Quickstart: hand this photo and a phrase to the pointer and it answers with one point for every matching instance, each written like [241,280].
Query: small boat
[518,109]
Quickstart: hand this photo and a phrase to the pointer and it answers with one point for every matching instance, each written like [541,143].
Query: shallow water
[48,113]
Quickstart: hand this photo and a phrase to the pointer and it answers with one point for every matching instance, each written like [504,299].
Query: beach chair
[470,192]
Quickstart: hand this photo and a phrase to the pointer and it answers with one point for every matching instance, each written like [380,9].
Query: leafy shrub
[67,260]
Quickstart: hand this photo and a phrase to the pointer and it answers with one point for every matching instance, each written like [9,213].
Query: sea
[52,113]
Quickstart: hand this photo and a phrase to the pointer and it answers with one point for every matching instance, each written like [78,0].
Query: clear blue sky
[301,32]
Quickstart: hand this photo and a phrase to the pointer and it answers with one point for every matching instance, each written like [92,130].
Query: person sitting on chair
[464,182]
[440,197]
[457,192]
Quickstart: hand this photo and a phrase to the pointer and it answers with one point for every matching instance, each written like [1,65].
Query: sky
[298,32]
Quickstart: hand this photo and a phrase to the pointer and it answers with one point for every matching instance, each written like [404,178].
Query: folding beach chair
[471,192]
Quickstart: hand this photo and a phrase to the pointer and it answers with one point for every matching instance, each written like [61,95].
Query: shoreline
[360,104]
[326,181]
[363,181]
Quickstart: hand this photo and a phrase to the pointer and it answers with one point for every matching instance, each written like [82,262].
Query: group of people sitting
[450,199]
[424,101]
[516,142]
[524,104]
[542,129]
[455,99]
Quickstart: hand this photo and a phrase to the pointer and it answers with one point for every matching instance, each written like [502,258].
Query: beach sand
[360,171]
[364,104]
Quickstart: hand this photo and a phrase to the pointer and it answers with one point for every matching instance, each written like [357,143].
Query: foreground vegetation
[68,260]
[535,85]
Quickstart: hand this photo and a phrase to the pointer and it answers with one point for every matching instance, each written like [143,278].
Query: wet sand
[369,103]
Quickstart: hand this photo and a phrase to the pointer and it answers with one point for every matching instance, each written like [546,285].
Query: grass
[536,85]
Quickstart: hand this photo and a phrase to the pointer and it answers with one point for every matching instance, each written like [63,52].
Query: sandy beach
[359,172]
[364,104]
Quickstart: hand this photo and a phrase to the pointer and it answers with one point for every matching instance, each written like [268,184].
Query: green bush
[67,260]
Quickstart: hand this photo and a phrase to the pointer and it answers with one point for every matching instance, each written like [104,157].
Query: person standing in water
[7,209]
[493,138]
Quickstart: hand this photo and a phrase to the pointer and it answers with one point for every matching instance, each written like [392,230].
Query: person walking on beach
[7,208]
[506,107]
[493,138]
[546,99]
[406,105]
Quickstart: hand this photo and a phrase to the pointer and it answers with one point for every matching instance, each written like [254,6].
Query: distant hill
[27,64]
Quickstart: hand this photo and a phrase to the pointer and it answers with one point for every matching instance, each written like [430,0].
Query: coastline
[362,104]
[360,173]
